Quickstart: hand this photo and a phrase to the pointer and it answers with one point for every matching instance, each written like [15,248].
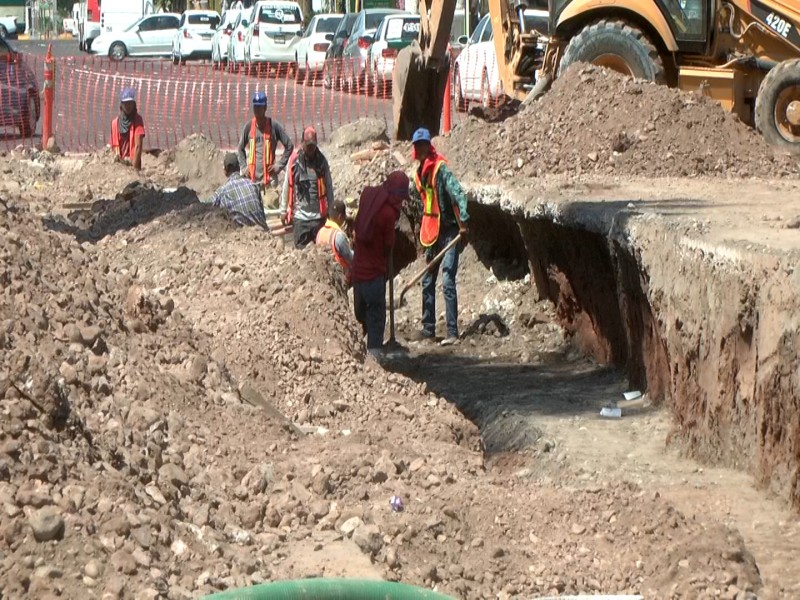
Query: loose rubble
[187,407]
[185,403]
[595,121]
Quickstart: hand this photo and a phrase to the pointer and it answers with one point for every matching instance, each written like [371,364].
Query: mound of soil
[199,161]
[597,121]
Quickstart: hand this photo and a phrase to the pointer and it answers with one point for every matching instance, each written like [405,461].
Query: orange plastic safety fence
[178,100]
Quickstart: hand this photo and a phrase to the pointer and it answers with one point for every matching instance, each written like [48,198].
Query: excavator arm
[422,69]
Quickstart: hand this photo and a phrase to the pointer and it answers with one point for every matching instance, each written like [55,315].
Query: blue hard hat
[421,135]
[259,99]
[128,95]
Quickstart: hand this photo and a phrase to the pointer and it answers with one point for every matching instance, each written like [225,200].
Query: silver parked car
[357,47]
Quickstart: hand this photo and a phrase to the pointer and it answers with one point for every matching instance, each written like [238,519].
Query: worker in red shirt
[378,211]
[127,130]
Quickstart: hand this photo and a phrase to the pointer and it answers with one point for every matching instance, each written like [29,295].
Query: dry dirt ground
[187,408]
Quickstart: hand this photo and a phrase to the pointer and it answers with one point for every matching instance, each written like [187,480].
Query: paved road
[178,100]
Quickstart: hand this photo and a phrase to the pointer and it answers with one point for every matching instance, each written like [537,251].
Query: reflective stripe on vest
[251,157]
[327,237]
[115,141]
[429,230]
[322,190]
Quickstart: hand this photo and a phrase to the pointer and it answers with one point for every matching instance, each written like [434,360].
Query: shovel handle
[435,261]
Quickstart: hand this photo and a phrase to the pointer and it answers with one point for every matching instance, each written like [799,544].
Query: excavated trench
[710,333]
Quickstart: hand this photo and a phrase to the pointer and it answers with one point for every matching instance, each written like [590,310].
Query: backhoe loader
[743,53]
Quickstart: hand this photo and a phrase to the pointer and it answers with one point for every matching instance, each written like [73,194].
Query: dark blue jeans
[449,266]
[369,303]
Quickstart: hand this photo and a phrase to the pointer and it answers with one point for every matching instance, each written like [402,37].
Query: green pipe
[330,589]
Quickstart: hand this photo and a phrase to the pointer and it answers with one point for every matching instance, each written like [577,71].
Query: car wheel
[3,32]
[462,104]
[118,51]
[27,126]
[87,45]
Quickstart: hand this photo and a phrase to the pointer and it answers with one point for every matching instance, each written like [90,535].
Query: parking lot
[179,100]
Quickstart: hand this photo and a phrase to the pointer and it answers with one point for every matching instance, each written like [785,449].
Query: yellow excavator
[743,53]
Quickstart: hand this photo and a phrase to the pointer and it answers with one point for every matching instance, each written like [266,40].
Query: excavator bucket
[418,90]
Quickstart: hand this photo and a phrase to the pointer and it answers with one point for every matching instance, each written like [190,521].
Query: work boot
[450,340]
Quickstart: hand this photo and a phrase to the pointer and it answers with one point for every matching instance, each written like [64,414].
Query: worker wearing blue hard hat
[127,130]
[444,217]
[258,143]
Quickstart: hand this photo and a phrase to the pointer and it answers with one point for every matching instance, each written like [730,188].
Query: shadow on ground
[504,399]
[136,205]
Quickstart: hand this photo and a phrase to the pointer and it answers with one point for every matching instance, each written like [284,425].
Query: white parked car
[236,41]
[149,36]
[310,50]
[394,33]
[476,76]
[221,39]
[274,31]
[194,35]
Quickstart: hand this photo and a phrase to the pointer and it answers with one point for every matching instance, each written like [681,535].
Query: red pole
[446,117]
[49,85]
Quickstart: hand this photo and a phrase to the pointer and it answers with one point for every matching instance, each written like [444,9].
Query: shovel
[392,343]
[436,260]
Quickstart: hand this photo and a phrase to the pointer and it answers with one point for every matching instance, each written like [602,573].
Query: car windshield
[405,29]
[203,21]
[328,24]
[374,19]
[279,15]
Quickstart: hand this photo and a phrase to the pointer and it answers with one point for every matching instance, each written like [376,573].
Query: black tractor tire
[781,81]
[608,42]
[3,32]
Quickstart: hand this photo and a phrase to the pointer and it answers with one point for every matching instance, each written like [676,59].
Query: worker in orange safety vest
[127,130]
[332,236]
[258,143]
[307,191]
[444,216]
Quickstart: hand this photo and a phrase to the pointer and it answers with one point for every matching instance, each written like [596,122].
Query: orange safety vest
[251,158]
[115,138]
[322,190]
[429,230]
[327,237]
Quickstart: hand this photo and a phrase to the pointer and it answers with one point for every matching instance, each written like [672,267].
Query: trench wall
[711,331]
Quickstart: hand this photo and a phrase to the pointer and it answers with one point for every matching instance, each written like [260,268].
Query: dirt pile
[133,466]
[597,121]
[199,162]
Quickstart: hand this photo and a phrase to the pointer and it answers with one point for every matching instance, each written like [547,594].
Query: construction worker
[331,236]
[378,211]
[444,216]
[307,191]
[239,196]
[260,138]
[127,130]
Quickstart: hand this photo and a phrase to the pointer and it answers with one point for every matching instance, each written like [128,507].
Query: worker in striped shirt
[239,196]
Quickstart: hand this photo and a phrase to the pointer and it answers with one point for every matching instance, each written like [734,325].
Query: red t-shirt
[125,147]
[369,259]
